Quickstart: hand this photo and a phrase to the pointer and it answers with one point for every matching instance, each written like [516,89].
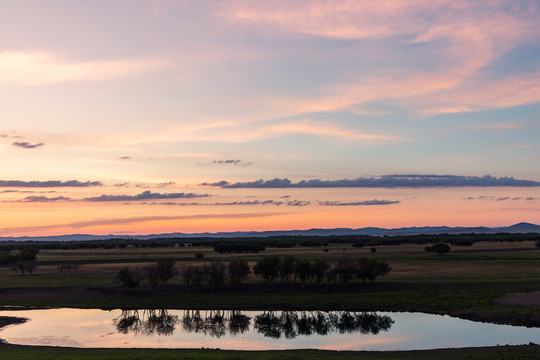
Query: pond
[256,330]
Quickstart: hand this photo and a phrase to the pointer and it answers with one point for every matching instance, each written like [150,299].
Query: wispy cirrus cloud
[385,181]
[48,183]
[253,131]
[134,220]
[462,38]
[45,68]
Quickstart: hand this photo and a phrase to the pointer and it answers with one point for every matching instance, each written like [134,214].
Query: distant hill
[373,231]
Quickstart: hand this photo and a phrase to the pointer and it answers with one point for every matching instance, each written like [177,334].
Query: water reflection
[146,322]
[255,330]
[290,324]
[215,323]
[272,324]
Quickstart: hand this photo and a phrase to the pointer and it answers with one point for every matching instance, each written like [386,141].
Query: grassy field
[467,282]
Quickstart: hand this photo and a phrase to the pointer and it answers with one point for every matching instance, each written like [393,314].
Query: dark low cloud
[359,203]
[385,181]
[124,157]
[233,162]
[503,198]
[166,183]
[145,195]
[48,183]
[27,145]
[44,199]
[240,203]
[227,162]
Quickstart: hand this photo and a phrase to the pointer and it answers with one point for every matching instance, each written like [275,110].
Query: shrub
[199,255]
[27,266]
[439,248]
[462,242]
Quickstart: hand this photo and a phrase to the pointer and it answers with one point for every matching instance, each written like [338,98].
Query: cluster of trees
[23,260]
[216,273]
[346,271]
[150,275]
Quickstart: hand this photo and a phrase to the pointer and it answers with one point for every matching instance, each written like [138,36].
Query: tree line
[272,241]
[270,269]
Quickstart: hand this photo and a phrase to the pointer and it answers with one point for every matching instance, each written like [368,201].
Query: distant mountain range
[373,231]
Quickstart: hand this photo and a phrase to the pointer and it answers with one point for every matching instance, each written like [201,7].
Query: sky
[147,116]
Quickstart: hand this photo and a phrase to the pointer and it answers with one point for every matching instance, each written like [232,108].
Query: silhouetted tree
[215,272]
[302,270]
[318,270]
[286,267]
[267,267]
[165,270]
[238,271]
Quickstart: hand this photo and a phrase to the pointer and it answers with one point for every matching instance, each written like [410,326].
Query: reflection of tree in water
[149,322]
[215,322]
[290,324]
[274,324]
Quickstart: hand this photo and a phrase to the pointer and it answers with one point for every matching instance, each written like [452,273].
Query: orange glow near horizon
[416,207]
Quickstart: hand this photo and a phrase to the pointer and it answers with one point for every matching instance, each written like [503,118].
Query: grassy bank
[14,352]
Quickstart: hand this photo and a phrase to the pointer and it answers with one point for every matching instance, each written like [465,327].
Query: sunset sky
[147,116]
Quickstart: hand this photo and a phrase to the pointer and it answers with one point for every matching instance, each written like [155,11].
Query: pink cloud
[44,68]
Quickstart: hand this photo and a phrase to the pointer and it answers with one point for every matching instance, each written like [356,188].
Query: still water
[256,330]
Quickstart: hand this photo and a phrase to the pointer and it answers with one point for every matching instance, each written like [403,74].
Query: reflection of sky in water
[96,328]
